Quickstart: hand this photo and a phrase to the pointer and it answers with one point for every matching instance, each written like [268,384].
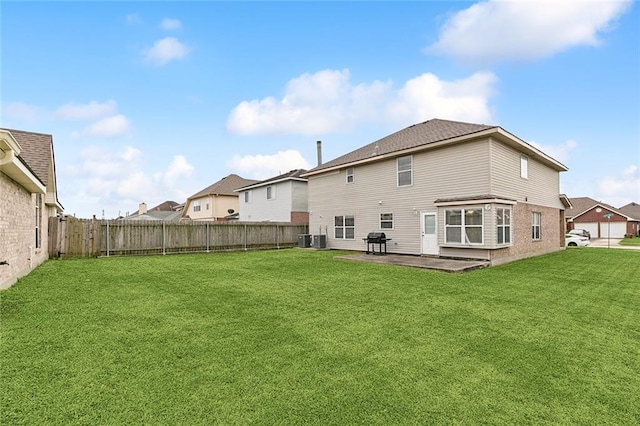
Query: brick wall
[17,231]
[299,217]
[552,234]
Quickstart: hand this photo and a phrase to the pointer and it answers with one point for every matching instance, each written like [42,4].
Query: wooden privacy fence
[71,237]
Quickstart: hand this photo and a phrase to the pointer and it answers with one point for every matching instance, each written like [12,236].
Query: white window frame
[524,166]
[463,226]
[196,206]
[206,205]
[388,220]
[341,228]
[404,170]
[350,175]
[536,226]
[247,197]
[503,223]
[271,192]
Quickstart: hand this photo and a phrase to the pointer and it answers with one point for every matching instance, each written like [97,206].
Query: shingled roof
[37,152]
[631,209]
[291,175]
[411,137]
[584,204]
[225,186]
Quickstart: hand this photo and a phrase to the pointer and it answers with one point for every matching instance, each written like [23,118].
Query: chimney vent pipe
[319,149]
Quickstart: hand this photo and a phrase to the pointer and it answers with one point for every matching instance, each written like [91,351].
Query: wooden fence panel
[71,237]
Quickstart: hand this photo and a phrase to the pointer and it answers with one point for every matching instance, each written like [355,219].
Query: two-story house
[217,201]
[442,188]
[282,198]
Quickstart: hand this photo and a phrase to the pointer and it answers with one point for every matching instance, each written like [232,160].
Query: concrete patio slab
[435,263]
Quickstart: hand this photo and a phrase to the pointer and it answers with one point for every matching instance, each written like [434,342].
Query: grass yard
[635,241]
[298,337]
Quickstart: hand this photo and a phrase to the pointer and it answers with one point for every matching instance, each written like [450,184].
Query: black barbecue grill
[378,238]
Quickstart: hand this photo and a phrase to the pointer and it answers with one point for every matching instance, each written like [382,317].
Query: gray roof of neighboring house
[411,137]
[167,216]
[291,175]
[225,186]
[584,204]
[632,209]
[37,152]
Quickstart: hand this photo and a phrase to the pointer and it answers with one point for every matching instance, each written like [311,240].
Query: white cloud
[327,101]
[497,30]
[91,111]
[427,96]
[621,188]
[110,127]
[169,24]
[164,51]
[559,152]
[266,166]
[116,180]
[25,112]
[178,168]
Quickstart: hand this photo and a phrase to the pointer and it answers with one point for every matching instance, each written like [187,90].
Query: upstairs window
[524,167]
[536,220]
[405,171]
[247,196]
[271,192]
[386,220]
[196,206]
[344,227]
[350,175]
[503,221]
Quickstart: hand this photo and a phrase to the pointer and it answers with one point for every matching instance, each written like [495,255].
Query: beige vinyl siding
[455,171]
[542,186]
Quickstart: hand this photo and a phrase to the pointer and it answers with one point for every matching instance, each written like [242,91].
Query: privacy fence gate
[72,237]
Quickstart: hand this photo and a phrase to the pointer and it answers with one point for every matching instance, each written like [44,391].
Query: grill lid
[376,236]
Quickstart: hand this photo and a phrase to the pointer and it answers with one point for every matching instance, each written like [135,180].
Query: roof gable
[225,186]
[411,137]
[582,205]
[631,209]
[37,152]
[291,175]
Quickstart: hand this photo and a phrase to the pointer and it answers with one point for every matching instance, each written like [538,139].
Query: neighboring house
[28,197]
[593,216]
[442,188]
[168,211]
[633,210]
[217,201]
[279,199]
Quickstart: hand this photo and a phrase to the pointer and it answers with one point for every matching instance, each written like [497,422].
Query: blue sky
[153,101]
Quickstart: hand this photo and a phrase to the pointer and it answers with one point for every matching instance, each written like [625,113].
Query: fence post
[277,236]
[108,238]
[208,237]
[245,236]
[164,236]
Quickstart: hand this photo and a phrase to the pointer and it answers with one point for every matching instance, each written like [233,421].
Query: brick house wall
[299,217]
[17,231]
[551,232]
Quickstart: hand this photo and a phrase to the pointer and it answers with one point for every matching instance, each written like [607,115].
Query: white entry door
[429,233]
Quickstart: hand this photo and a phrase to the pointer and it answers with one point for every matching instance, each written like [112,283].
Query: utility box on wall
[304,240]
[320,241]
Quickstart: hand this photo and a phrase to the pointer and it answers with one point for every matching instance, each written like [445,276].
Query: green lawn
[298,337]
[630,241]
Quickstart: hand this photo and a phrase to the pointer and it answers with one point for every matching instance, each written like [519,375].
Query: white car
[573,240]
